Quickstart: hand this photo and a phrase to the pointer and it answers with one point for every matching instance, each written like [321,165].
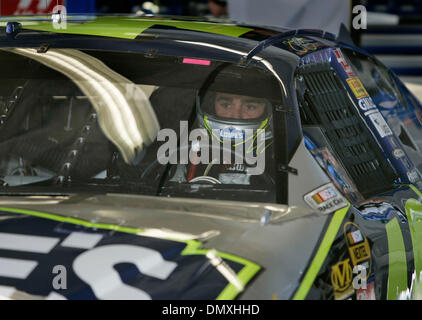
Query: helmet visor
[235,108]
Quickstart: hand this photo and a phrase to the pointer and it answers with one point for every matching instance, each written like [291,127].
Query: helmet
[235,103]
[230,126]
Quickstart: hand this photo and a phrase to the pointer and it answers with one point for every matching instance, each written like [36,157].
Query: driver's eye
[225,105]
[251,107]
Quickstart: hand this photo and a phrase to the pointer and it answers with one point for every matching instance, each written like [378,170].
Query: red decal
[22,7]
[197,61]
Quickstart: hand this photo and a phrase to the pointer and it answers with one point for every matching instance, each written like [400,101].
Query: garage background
[393,34]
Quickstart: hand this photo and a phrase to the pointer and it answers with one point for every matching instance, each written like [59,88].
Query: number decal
[95,267]
[100,261]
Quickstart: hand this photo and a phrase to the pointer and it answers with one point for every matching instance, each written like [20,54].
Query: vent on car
[325,102]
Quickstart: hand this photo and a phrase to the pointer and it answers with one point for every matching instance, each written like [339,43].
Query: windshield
[93,121]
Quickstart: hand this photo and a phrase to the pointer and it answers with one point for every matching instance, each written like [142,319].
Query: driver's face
[238,107]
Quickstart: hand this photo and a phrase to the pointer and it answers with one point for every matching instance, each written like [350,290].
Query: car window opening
[63,128]
[325,103]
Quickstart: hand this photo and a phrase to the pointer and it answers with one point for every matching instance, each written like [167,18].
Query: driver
[227,116]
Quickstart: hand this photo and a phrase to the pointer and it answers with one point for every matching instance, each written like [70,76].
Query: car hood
[268,243]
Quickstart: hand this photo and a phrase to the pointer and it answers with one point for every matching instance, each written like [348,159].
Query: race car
[146,157]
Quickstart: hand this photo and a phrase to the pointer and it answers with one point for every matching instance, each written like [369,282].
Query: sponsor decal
[360,252]
[325,199]
[355,236]
[413,175]
[358,245]
[380,125]
[357,87]
[232,133]
[366,294]
[398,153]
[343,62]
[366,104]
[301,46]
[324,195]
[341,279]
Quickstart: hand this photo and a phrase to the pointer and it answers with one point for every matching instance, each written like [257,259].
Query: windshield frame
[169,49]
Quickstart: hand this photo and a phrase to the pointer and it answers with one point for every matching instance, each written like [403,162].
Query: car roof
[136,27]
[130,26]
